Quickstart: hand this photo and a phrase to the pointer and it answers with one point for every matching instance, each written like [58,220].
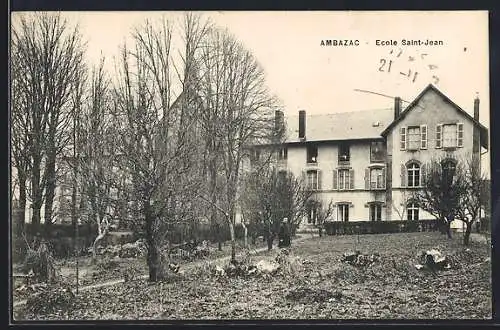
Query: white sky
[322,79]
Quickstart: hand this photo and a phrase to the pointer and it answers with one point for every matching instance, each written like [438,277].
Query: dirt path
[219,261]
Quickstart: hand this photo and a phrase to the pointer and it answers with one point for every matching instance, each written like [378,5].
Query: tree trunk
[19,244]
[233,242]
[36,195]
[101,234]
[468,230]
[218,234]
[245,242]
[153,257]
[50,174]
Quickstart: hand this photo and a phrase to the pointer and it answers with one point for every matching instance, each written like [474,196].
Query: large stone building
[369,162]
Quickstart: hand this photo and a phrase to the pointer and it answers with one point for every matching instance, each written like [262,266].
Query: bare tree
[474,196]
[47,57]
[323,213]
[443,188]
[158,132]
[270,196]
[401,208]
[239,112]
[97,138]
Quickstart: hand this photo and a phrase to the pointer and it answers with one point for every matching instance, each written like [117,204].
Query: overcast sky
[323,79]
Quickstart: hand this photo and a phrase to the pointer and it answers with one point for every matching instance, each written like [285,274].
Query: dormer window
[344,154]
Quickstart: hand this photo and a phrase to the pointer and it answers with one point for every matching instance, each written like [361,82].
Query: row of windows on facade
[343,179]
[377,153]
[375,177]
[374,212]
[446,136]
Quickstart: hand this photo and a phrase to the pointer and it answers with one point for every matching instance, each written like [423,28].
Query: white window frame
[423,136]
[344,176]
[312,184]
[415,170]
[411,210]
[402,140]
[374,209]
[414,144]
[378,181]
[453,134]
[343,211]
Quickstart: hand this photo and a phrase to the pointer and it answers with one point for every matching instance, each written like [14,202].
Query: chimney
[476,107]
[397,107]
[302,124]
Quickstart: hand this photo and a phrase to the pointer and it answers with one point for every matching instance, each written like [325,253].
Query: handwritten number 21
[383,62]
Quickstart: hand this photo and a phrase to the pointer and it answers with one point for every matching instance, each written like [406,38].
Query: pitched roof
[483,130]
[341,126]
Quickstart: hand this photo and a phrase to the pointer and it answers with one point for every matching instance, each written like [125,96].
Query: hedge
[378,227]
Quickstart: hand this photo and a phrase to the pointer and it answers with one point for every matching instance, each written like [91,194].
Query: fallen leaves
[320,287]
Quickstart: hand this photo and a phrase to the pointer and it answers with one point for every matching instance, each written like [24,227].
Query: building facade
[369,163]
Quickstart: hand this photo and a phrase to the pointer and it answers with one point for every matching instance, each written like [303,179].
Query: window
[377,178]
[283,153]
[402,133]
[312,154]
[413,138]
[448,167]
[312,180]
[344,155]
[412,211]
[413,175]
[375,212]
[377,151]
[343,212]
[255,154]
[451,135]
[344,180]
[423,136]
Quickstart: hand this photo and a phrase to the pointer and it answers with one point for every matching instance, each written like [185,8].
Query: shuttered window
[423,137]
[377,179]
[344,179]
[402,132]
[313,180]
[460,135]
[439,136]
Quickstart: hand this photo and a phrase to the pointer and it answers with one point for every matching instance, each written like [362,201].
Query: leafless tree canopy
[158,141]
[47,60]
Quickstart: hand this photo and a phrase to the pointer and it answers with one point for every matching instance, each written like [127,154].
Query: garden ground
[318,286]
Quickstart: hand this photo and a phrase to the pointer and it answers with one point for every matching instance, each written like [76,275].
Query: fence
[379,227]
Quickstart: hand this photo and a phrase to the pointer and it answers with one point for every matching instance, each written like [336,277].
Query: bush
[378,227]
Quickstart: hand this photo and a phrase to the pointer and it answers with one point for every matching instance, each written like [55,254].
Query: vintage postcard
[244,165]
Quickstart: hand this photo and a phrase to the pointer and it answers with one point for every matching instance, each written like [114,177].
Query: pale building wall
[431,111]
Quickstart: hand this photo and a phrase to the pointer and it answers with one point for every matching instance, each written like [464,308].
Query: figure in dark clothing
[284,234]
